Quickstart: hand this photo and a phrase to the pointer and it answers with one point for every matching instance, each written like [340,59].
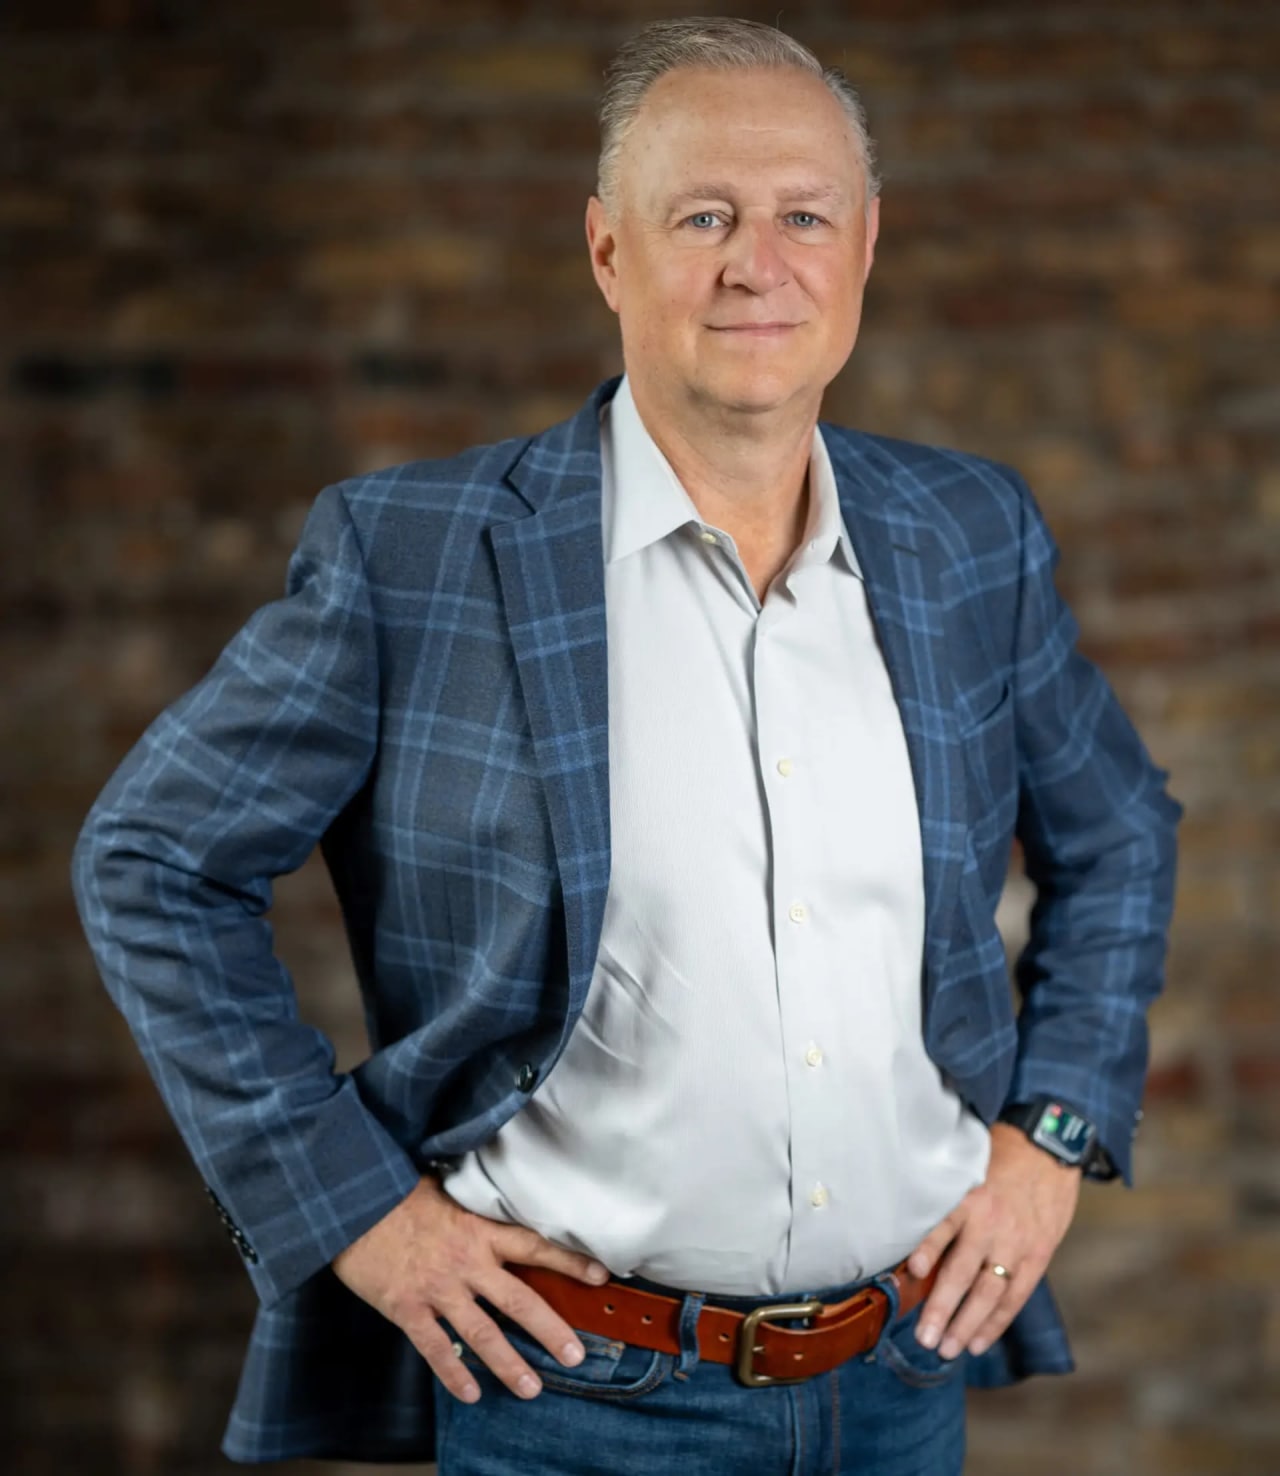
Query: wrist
[1014,1140]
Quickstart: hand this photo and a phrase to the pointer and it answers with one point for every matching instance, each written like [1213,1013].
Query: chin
[763,380]
[751,394]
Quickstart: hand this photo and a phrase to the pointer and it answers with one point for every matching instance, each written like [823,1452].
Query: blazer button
[527,1077]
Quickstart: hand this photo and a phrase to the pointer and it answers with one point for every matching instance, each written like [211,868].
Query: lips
[752,327]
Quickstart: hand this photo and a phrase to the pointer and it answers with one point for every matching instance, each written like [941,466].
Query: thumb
[527,1246]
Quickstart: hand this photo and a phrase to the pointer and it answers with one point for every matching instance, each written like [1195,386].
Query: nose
[754,257]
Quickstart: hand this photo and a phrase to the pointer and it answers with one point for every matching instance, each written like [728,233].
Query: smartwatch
[1060,1131]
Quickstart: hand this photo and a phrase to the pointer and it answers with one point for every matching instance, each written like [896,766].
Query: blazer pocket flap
[970,727]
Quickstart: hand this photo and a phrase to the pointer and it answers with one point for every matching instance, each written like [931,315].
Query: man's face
[740,246]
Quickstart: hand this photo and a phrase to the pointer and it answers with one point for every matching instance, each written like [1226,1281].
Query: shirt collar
[644,501]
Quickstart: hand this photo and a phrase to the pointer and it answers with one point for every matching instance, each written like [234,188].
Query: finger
[431,1340]
[523,1305]
[957,1273]
[1019,1288]
[986,1296]
[516,1243]
[486,1340]
[930,1249]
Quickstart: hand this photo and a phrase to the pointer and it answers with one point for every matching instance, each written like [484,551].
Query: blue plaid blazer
[428,702]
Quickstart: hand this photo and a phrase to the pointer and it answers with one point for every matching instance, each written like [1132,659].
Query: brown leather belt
[761,1352]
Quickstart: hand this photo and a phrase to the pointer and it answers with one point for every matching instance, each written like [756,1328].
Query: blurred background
[251,247]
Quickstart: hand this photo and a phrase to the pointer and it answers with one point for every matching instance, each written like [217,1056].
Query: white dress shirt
[745,1105]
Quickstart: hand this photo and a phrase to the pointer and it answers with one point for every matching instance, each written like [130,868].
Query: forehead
[757,122]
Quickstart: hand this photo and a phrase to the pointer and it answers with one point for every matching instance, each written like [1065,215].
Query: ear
[873,230]
[603,245]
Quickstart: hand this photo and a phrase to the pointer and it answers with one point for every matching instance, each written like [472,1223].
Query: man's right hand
[429,1258]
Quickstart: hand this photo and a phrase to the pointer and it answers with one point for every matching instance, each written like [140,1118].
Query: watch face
[1063,1132]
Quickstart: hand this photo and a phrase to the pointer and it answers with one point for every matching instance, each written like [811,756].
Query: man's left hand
[1016,1219]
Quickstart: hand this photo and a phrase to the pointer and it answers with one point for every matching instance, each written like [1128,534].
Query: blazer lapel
[903,563]
[551,570]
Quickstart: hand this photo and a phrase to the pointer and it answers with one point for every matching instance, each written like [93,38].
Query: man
[667,766]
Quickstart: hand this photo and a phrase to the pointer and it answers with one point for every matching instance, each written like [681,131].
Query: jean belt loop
[888,1284]
[690,1309]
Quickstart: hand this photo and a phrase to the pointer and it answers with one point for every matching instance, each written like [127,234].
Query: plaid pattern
[428,702]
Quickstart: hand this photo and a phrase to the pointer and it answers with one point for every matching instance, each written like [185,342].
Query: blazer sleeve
[230,787]
[1097,826]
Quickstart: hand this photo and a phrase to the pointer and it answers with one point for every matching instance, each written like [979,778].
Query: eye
[704,220]
[806,218]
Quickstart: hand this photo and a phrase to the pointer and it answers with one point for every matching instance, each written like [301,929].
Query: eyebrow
[719,191]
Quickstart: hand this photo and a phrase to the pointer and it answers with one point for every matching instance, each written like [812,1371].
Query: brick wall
[248,248]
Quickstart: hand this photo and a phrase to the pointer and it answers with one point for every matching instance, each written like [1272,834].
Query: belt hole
[646,1318]
[724,1337]
[608,1306]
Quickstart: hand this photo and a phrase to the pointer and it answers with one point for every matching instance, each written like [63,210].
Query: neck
[745,472]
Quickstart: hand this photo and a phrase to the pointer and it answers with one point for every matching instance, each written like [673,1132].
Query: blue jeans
[898,1410]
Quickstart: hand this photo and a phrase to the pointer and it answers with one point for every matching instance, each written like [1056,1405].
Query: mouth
[753,330]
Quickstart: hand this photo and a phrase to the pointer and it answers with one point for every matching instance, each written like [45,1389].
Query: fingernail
[977,1346]
[949,1349]
[597,1272]
[471,1393]
[928,1336]
[572,1353]
[919,1266]
[528,1386]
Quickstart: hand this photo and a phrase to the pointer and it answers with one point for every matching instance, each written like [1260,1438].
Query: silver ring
[998,1270]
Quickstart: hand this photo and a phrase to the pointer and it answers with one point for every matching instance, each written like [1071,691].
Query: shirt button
[784,767]
[819,1196]
[798,912]
[708,538]
[526,1077]
[813,1056]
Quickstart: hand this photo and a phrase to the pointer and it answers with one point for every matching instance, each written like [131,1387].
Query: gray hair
[721,43]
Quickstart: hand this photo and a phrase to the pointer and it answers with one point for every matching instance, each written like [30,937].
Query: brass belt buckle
[748,1348]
